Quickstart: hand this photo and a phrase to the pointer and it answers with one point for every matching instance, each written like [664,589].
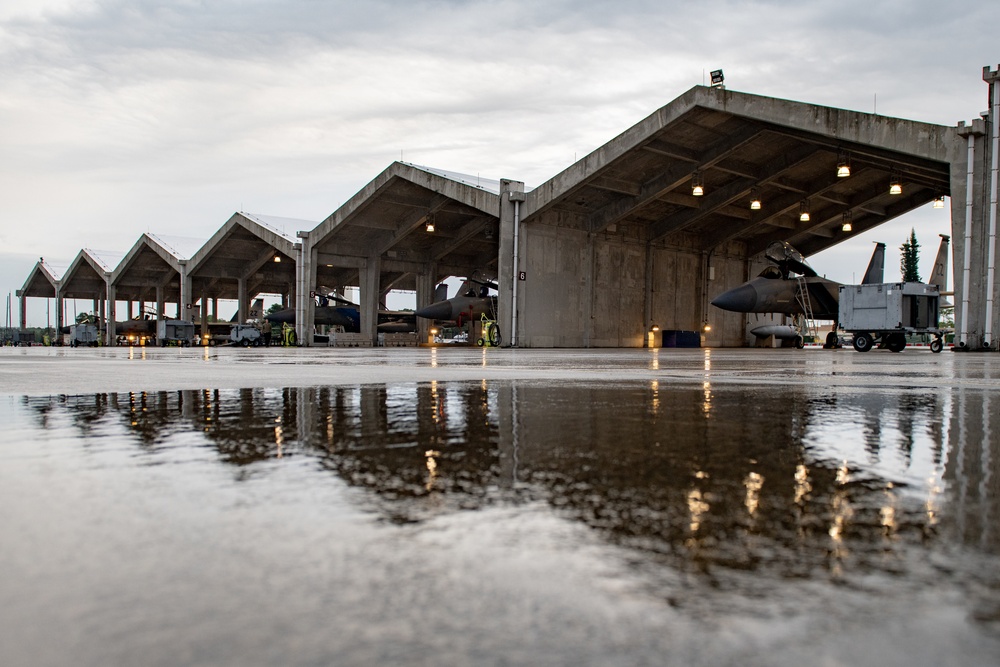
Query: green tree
[275,307]
[910,258]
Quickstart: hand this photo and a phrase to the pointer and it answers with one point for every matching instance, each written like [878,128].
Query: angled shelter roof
[258,248]
[739,145]
[86,277]
[43,280]
[154,261]
[388,219]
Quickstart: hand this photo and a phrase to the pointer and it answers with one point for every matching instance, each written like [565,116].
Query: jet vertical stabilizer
[939,276]
[875,273]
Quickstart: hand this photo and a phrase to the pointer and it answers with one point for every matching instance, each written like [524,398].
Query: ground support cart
[490,333]
[84,334]
[175,332]
[885,313]
[246,335]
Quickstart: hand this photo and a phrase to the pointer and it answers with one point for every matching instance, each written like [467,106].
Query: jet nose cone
[436,311]
[740,299]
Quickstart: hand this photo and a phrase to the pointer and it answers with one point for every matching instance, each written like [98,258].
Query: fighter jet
[791,287]
[471,303]
[348,316]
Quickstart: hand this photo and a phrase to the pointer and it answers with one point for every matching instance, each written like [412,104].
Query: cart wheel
[937,345]
[862,342]
[831,340]
[245,342]
[480,342]
[495,338]
[800,342]
[896,342]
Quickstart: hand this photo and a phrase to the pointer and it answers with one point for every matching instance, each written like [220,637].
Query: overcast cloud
[119,117]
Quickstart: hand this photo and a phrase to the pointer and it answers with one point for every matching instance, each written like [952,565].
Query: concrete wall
[585,290]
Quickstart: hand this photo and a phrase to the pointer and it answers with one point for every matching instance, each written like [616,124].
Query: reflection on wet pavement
[717,501]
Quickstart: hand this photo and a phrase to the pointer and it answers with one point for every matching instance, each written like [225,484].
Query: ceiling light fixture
[277,259]
[895,185]
[754,199]
[697,185]
[846,224]
[429,227]
[804,211]
[843,166]
[938,202]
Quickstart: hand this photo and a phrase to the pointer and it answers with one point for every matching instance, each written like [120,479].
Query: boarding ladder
[808,324]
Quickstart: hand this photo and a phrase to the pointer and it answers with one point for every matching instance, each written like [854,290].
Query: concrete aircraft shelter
[151,273]
[618,242]
[380,240]
[249,255]
[88,277]
[42,282]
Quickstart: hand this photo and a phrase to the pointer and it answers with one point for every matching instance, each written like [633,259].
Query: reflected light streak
[436,407]
[708,360]
[888,511]
[655,403]
[656,358]
[434,357]
[698,508]
[802,486]
[753,483]
[706,404]
[431,468]
[205,356]
[484,357]
[279,439]
[842,512]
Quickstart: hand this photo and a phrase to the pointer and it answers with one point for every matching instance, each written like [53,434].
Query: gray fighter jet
[472,302]
[790,284]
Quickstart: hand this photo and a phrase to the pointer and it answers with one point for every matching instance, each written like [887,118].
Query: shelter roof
[388,219]
[154,261]
[257,248]
[739,145]
[43,280]
[86,276]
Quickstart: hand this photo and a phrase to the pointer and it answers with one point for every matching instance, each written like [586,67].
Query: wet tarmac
[499,507]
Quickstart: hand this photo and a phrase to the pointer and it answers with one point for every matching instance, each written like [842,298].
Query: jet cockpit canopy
[788,259]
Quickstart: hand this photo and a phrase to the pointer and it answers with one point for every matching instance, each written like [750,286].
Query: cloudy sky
[124,116]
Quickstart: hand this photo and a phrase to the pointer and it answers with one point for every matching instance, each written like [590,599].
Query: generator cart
[175,332]
[886,313]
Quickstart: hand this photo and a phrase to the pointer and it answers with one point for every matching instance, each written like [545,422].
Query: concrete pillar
[111,317]
[187,295]
[370,276]
[508,269]
[241,297]
[59,315]
[426,282]
[129,313]
[203,313]
[22,300]
[972,206]
[160,303]
[305,272]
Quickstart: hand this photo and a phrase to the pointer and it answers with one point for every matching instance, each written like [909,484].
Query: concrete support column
[508,269]
[370,292]
[59,314]
[970,203]
[426,282]
[186,298]
[241,297]
[160,304]
[111,317]
[129,313]
[310,260]
[22,300]
[204,316]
